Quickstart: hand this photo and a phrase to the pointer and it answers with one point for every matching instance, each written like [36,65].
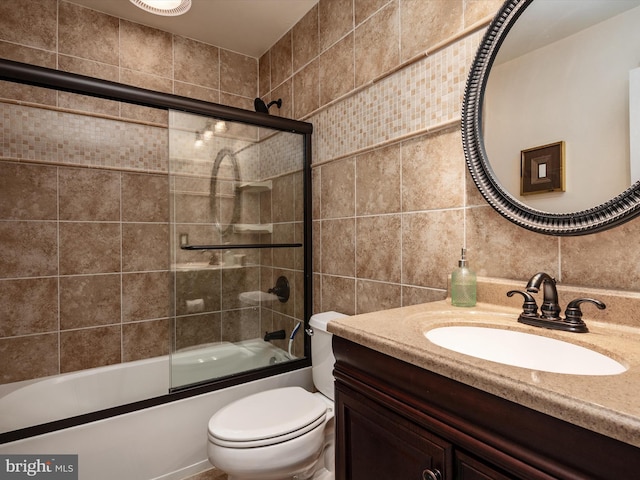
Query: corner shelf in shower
[255,187]
[259,228]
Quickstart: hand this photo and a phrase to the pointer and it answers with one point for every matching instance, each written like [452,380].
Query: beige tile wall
[84,275]
[393,203]
[84,268]
[387,213]
[73,38]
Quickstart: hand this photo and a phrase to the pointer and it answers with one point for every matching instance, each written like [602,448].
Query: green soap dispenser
[463,284]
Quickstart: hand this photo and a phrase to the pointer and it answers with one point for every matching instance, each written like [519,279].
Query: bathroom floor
[211,474]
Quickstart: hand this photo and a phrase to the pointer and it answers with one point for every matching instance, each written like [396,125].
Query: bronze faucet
[549,316]
[549,309]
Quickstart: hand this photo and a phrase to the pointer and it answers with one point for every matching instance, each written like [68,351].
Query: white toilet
[285,433]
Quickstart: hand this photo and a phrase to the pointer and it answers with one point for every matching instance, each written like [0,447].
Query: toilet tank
[322,358]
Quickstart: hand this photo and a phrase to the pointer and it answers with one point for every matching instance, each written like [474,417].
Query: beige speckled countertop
[606,404]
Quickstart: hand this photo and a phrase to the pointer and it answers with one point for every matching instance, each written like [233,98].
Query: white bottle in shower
[228,258]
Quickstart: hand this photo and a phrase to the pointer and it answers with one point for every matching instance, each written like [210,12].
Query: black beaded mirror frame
[618,210]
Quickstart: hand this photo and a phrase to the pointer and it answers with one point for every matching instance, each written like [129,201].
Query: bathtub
[76,393]
[221,359]
[167,441]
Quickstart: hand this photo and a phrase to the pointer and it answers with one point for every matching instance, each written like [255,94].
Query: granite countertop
[608,404]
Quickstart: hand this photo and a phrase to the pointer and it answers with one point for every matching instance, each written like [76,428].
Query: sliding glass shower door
[237,247]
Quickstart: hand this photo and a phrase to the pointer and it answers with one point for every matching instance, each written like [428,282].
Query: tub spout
[277,335]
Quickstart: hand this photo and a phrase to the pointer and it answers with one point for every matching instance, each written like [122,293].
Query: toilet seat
[267,418]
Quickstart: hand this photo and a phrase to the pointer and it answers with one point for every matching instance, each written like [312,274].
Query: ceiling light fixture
[220,127]
[208,132]
[168,8]
[199,140]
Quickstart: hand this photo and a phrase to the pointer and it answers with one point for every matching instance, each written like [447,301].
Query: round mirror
[225,199]
[551,114]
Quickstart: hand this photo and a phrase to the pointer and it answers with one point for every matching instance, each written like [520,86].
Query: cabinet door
[375,443]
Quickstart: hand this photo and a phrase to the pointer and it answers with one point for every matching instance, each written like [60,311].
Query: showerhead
[261,107]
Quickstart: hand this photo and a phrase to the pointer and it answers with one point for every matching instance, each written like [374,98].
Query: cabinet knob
[431,474]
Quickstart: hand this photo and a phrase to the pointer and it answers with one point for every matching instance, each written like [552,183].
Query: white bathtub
[167,442]
[221,359]
[76,393]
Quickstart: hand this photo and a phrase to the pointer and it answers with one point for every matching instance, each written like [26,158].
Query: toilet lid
[267,415]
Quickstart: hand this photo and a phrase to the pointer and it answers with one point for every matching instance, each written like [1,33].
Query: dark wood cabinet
[396,421]
[386,445]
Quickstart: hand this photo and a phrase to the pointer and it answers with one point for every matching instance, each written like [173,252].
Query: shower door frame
[18,72]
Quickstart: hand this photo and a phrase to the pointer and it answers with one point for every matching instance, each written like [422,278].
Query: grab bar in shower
[239,246]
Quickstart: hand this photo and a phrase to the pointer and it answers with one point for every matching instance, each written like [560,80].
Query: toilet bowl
[284,433]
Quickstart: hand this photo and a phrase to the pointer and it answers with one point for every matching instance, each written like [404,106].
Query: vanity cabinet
[397,421]
[381,444]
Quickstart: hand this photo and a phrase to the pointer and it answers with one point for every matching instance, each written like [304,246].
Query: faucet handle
[575,304]
[529,307]
[574,313]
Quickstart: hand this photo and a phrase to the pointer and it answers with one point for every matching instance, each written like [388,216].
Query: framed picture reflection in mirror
[542,169]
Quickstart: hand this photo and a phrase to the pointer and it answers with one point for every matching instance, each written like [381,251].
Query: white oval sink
[524,350]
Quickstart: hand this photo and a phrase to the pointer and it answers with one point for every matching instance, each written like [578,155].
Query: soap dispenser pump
[463,284]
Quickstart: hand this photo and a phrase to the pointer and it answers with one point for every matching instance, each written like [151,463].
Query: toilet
[284,433]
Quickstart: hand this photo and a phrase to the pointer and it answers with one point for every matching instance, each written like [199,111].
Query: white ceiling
[249,27]
[544,23]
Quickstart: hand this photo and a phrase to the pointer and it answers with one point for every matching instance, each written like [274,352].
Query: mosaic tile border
[62,138]
[410,101]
